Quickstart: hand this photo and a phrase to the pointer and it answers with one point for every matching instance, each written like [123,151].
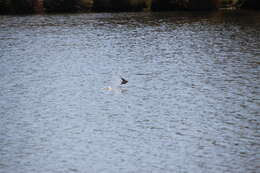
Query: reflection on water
[191,104]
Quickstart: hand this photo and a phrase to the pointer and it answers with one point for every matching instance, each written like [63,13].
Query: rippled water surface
[191,105]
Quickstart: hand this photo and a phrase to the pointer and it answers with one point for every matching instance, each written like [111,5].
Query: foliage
[58,6]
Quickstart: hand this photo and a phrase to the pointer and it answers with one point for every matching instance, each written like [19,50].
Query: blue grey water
[191,105]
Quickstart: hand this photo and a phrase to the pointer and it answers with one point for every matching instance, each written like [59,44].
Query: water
[191,104]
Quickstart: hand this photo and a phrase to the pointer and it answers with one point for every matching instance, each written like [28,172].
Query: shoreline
[9,7]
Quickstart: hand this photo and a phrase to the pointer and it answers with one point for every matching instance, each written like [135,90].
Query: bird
[123,81]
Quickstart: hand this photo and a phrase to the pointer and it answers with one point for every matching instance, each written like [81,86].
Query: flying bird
[123,81]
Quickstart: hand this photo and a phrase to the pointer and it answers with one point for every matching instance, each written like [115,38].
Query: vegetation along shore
[71,6]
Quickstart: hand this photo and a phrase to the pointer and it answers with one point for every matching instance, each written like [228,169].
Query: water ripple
[191,104]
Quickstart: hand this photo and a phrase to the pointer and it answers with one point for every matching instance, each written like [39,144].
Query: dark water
[191,105]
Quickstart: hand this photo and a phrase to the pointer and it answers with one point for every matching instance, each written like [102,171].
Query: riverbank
[72,6]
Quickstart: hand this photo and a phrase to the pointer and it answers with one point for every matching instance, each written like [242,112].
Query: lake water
[191,105]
